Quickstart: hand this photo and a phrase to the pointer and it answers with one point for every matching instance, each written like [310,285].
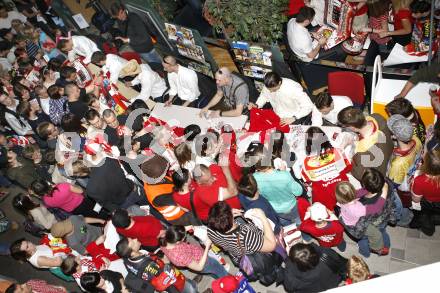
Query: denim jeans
[214,268]
[4,181]
[290,217]
[190,286]
[403,215]
[364,247]
[151,57]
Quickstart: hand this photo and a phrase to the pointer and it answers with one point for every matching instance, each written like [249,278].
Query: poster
[254,60]
[204,68]
[171,31]
[195,53]
[185,42]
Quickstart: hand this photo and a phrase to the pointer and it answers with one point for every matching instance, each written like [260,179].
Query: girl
[33,211]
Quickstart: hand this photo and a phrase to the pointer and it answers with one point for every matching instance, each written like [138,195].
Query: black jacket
[108,185]
[136,30]
[114,278]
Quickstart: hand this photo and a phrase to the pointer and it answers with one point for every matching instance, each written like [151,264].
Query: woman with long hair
[403,22]
[33,211]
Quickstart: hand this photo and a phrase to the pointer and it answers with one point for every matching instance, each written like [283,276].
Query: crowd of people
[125,202]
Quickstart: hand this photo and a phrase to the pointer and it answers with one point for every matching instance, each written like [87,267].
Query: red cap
[227,284]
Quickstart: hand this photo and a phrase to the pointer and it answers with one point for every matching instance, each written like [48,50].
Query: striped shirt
[57,109]
[251,240]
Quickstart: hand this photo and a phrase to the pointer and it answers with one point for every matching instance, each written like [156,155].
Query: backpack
[253,92]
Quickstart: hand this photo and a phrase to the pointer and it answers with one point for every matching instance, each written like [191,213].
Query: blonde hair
[400,4]
[357,269]
[345,192]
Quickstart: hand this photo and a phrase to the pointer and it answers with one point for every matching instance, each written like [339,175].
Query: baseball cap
[318,212]
[227,284]
[401,127]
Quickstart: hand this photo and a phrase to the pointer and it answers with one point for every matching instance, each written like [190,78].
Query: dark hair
[121,219]
[19,88]
[89,99]
[323,100]
[155,167]
[54,92]
[378,8]
[183,153]
[372,180]
[180,178]
[248,186]
[67,71]
[304,256]
[42,130]
[24,109]
[278,143]
[91,114]
[41,187]
[174,234]
[54,64]
[13,286]
[420,6]
[220,217]
[122,248]
[90,281]
[115,7]
[351,116]
[16,252]
[69,265]
[400,106]
[24,204]
[206,140]
[62,43]
[305,13]
[71,123]
[272,79]
[315,136]
[97,57]
[191,131]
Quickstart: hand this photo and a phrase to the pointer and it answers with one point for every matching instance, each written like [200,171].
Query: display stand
[384,90]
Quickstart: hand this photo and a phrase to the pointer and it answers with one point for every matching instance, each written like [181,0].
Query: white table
[184,116]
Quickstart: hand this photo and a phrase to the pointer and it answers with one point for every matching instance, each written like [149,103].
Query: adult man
[232,95]
[152,85]
[427,74]
[374,147]
[287,97]
[300,40]
[115,128]
[76,107]
[97,124]
[78,46]
[327,108]
[212,187]
[135,32]
[184,86]
[110,63]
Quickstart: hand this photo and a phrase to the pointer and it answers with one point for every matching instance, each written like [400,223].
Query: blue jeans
[214,268]
[364,247]
[403,215]
[4,181]
[290,217]
[190,286]
[151,57]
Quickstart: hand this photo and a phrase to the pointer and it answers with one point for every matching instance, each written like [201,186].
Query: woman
[104,281]
[324,166]
[426,193]
[32,112]
[306,272]
[187,255]
[48,77]
[39,256]
[378,21]
[182,188]
[403,22]
[183,155]
[33,211]
[67,197]
[278,187]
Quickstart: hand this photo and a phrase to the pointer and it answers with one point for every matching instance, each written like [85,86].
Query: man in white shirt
[152,85]
[78,46]
[110,63]
[300,40]
[6,17]
[287,97]
[183,82]
[327,108]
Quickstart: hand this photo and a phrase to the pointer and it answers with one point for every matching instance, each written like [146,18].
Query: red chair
[130,56]
[346,83]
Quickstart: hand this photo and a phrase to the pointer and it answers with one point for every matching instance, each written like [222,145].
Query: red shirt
[404,13]
[424,187]
[328,236]
[324,192]
[145,229]
[363,10]
[206,196]
[294,6]
[182,200]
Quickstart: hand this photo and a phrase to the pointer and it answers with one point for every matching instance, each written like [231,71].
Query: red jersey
[404,13]
[182,200]
[424,187]
[294,6]
[206,196]
[328,236]
[146,229]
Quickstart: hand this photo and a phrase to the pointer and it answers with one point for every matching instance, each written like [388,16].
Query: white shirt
[82,46]
[184,84]
[288,101]
[41,250]
[5,64]
[340,102]
[300,40]
[6,22]
[152,85]
[19,128]
[45,105]
[114,64]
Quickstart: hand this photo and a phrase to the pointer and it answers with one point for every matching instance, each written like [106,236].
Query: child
[323,225]
[357,270]
[250,198]
[352,210]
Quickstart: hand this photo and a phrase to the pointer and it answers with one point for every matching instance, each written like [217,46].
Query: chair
[346,83]
[130,56]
